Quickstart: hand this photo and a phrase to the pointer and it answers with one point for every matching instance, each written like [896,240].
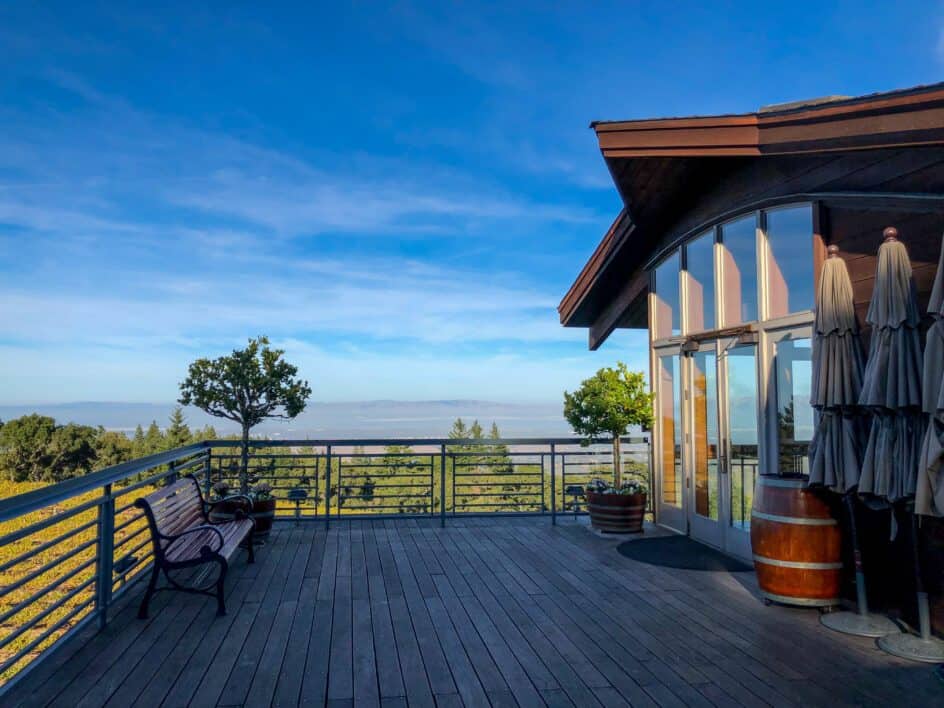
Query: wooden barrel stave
[795,543]
[617,513]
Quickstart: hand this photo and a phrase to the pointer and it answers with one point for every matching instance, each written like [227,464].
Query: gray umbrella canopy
[929,494]
[836,448]
[891,386]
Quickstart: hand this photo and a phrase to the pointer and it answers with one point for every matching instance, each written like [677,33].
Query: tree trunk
[617,463]
[244,462]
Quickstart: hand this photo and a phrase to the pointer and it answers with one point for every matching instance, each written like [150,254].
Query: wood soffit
[657,163]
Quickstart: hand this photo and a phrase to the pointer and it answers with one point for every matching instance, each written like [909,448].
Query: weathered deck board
[499,612]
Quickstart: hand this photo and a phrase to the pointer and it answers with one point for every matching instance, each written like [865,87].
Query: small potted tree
[606,404]
[248,386]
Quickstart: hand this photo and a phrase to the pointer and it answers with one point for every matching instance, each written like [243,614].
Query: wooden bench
[184,537]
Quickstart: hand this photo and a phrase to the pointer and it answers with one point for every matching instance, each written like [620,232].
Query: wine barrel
[616,513]
[263,513]
[796,544]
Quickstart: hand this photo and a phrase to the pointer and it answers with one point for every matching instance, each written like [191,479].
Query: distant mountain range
[356,419]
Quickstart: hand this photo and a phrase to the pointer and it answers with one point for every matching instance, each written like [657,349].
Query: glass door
[669,493]
[790,354]
[740,442]
[723,450]
[706,504]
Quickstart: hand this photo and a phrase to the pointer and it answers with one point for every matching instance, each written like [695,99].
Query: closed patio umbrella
[929,494]
[892,389]
[891,386]
[836,448]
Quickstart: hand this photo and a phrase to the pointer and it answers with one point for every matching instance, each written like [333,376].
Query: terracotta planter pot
[616,513]
[264,514]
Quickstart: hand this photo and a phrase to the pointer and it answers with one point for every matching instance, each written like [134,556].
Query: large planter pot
[616,513]
[263,512]
[796,544]
[222,511]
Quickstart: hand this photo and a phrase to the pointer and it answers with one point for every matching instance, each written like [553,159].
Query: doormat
[680,552]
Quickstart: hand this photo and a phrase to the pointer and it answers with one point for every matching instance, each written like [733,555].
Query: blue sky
[397,194]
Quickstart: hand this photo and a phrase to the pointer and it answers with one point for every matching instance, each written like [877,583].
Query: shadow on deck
[484,612]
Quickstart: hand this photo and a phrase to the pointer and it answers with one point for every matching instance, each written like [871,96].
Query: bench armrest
[194,529]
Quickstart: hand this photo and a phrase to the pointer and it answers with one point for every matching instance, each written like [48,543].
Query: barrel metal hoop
[800,521]
[786,483]
[614,509]
[800,565]
[801,601]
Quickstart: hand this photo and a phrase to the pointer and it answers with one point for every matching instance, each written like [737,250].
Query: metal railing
[69,551]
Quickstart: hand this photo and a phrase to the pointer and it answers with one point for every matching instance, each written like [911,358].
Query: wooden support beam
[609,320]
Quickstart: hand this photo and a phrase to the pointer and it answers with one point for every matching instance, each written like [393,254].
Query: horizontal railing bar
[47,545]
[134,519]
[134,550]
[400,486]
[50,521]
[59,580]
[44,636]
[45,568]
[130,536]
[46,653]
[45,613]
[364,507]
[39,498]
[448,442]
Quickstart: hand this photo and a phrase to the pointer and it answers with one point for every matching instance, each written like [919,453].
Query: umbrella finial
[833,251]
[890,234]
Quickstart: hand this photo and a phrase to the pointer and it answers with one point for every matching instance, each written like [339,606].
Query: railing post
[553,487]
[442,486]
[207,469]
[327,487]
[172,471]
[106,551]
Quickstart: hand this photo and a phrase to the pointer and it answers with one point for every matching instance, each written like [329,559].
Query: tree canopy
[247,386]
[607,404]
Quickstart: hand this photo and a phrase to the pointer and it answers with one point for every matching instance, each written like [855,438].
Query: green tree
[71,451]
[207,432]
[138,443]
[607,404]
[248,386]
[25,447]
[112,448]
[178,432]
[153,439]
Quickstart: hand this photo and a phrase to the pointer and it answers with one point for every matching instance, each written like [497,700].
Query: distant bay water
[357,419]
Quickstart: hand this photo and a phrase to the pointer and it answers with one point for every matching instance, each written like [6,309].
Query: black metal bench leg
[220,603]
[252,555]
[152,584]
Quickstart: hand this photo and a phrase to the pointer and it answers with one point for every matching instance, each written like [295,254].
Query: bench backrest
[175,507]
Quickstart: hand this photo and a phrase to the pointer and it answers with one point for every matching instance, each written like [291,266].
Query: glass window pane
[700,264]
[739,264]
[705,422]
[667,297]
[670,417]
[790,260]
[792,359]
[741,362]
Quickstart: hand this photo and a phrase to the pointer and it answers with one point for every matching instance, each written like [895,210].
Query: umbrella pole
[860,623]
[922,647]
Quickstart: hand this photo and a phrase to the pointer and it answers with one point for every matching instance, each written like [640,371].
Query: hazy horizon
[326,419]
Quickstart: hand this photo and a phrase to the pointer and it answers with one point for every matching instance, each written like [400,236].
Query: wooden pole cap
[833,251]
[890,234]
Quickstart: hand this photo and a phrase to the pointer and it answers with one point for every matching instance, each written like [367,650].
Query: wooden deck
[484,612]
